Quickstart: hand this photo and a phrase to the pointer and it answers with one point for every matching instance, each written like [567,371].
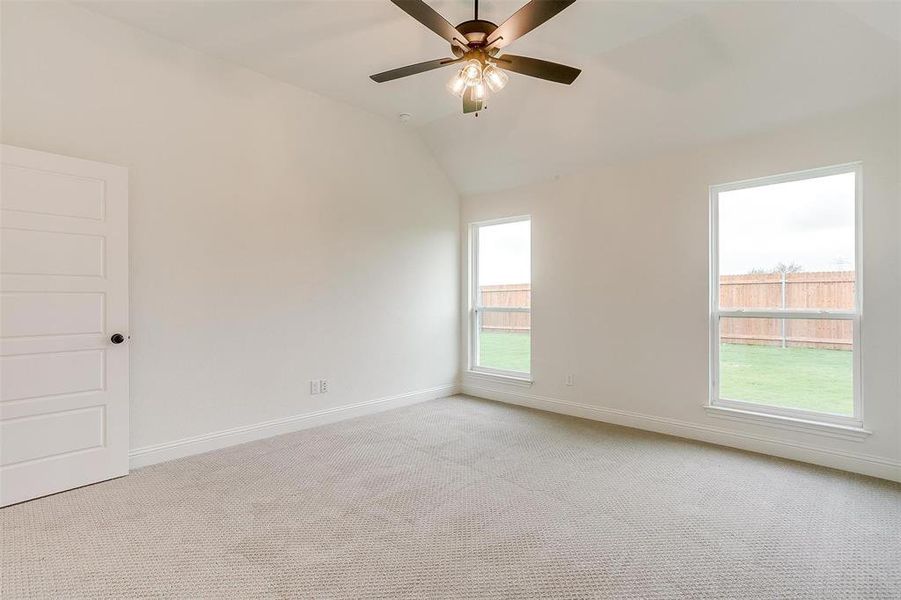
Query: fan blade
[534,67]
[426,15]
[470,104]
[525,20]
[413,69]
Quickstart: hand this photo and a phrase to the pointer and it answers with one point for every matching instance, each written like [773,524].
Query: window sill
[497,378]
[791,423]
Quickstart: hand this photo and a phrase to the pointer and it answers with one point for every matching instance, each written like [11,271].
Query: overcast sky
[809,222]
[504,253]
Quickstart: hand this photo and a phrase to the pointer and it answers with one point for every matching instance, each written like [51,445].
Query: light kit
[477,76]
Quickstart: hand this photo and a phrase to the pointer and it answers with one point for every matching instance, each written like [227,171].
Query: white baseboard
[148,455]
[847,461]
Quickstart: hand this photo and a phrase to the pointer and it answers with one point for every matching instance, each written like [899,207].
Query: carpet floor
[462,498]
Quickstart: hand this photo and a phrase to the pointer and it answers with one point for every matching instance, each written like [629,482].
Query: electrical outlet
[323,386]
[569,379]
[314,387]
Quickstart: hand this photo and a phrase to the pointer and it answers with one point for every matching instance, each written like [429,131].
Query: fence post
[783,307]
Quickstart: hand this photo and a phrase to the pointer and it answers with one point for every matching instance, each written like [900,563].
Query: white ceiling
[656,75]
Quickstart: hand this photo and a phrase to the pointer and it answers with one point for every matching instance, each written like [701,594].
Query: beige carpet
[462,498]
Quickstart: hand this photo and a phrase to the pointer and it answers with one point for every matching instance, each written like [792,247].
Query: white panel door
[63,297]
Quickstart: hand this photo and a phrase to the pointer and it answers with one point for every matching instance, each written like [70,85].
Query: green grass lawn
[507,351]
[802,378]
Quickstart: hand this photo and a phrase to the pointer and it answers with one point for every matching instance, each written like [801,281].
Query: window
[501,297]
[785,296]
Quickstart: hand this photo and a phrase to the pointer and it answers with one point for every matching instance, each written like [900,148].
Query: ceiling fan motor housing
[476,32]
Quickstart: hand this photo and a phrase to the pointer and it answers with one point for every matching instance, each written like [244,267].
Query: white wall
[276,236]
[605,243]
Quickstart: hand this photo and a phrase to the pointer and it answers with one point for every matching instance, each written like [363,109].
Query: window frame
[854,315]
[475,309]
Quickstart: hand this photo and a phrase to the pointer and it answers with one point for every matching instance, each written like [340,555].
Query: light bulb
[472,72]
[496,78]
[478,91]
[457,84]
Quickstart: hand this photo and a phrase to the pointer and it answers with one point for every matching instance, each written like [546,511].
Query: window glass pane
[788,245]
[504,281]
[803,364]
[505,264]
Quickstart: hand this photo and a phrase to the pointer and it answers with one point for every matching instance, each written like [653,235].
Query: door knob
[117,338]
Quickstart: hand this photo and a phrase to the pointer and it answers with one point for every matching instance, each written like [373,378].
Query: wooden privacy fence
[815,290]
[788,333]
[517,295]
[820,290]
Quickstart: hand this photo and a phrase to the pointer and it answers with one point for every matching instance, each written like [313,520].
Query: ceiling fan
[476,46]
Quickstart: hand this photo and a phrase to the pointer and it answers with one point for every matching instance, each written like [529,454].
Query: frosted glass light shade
[495,78]
[472,72]
[457,84]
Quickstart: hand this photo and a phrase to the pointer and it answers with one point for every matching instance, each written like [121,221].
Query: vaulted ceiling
[656,75]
